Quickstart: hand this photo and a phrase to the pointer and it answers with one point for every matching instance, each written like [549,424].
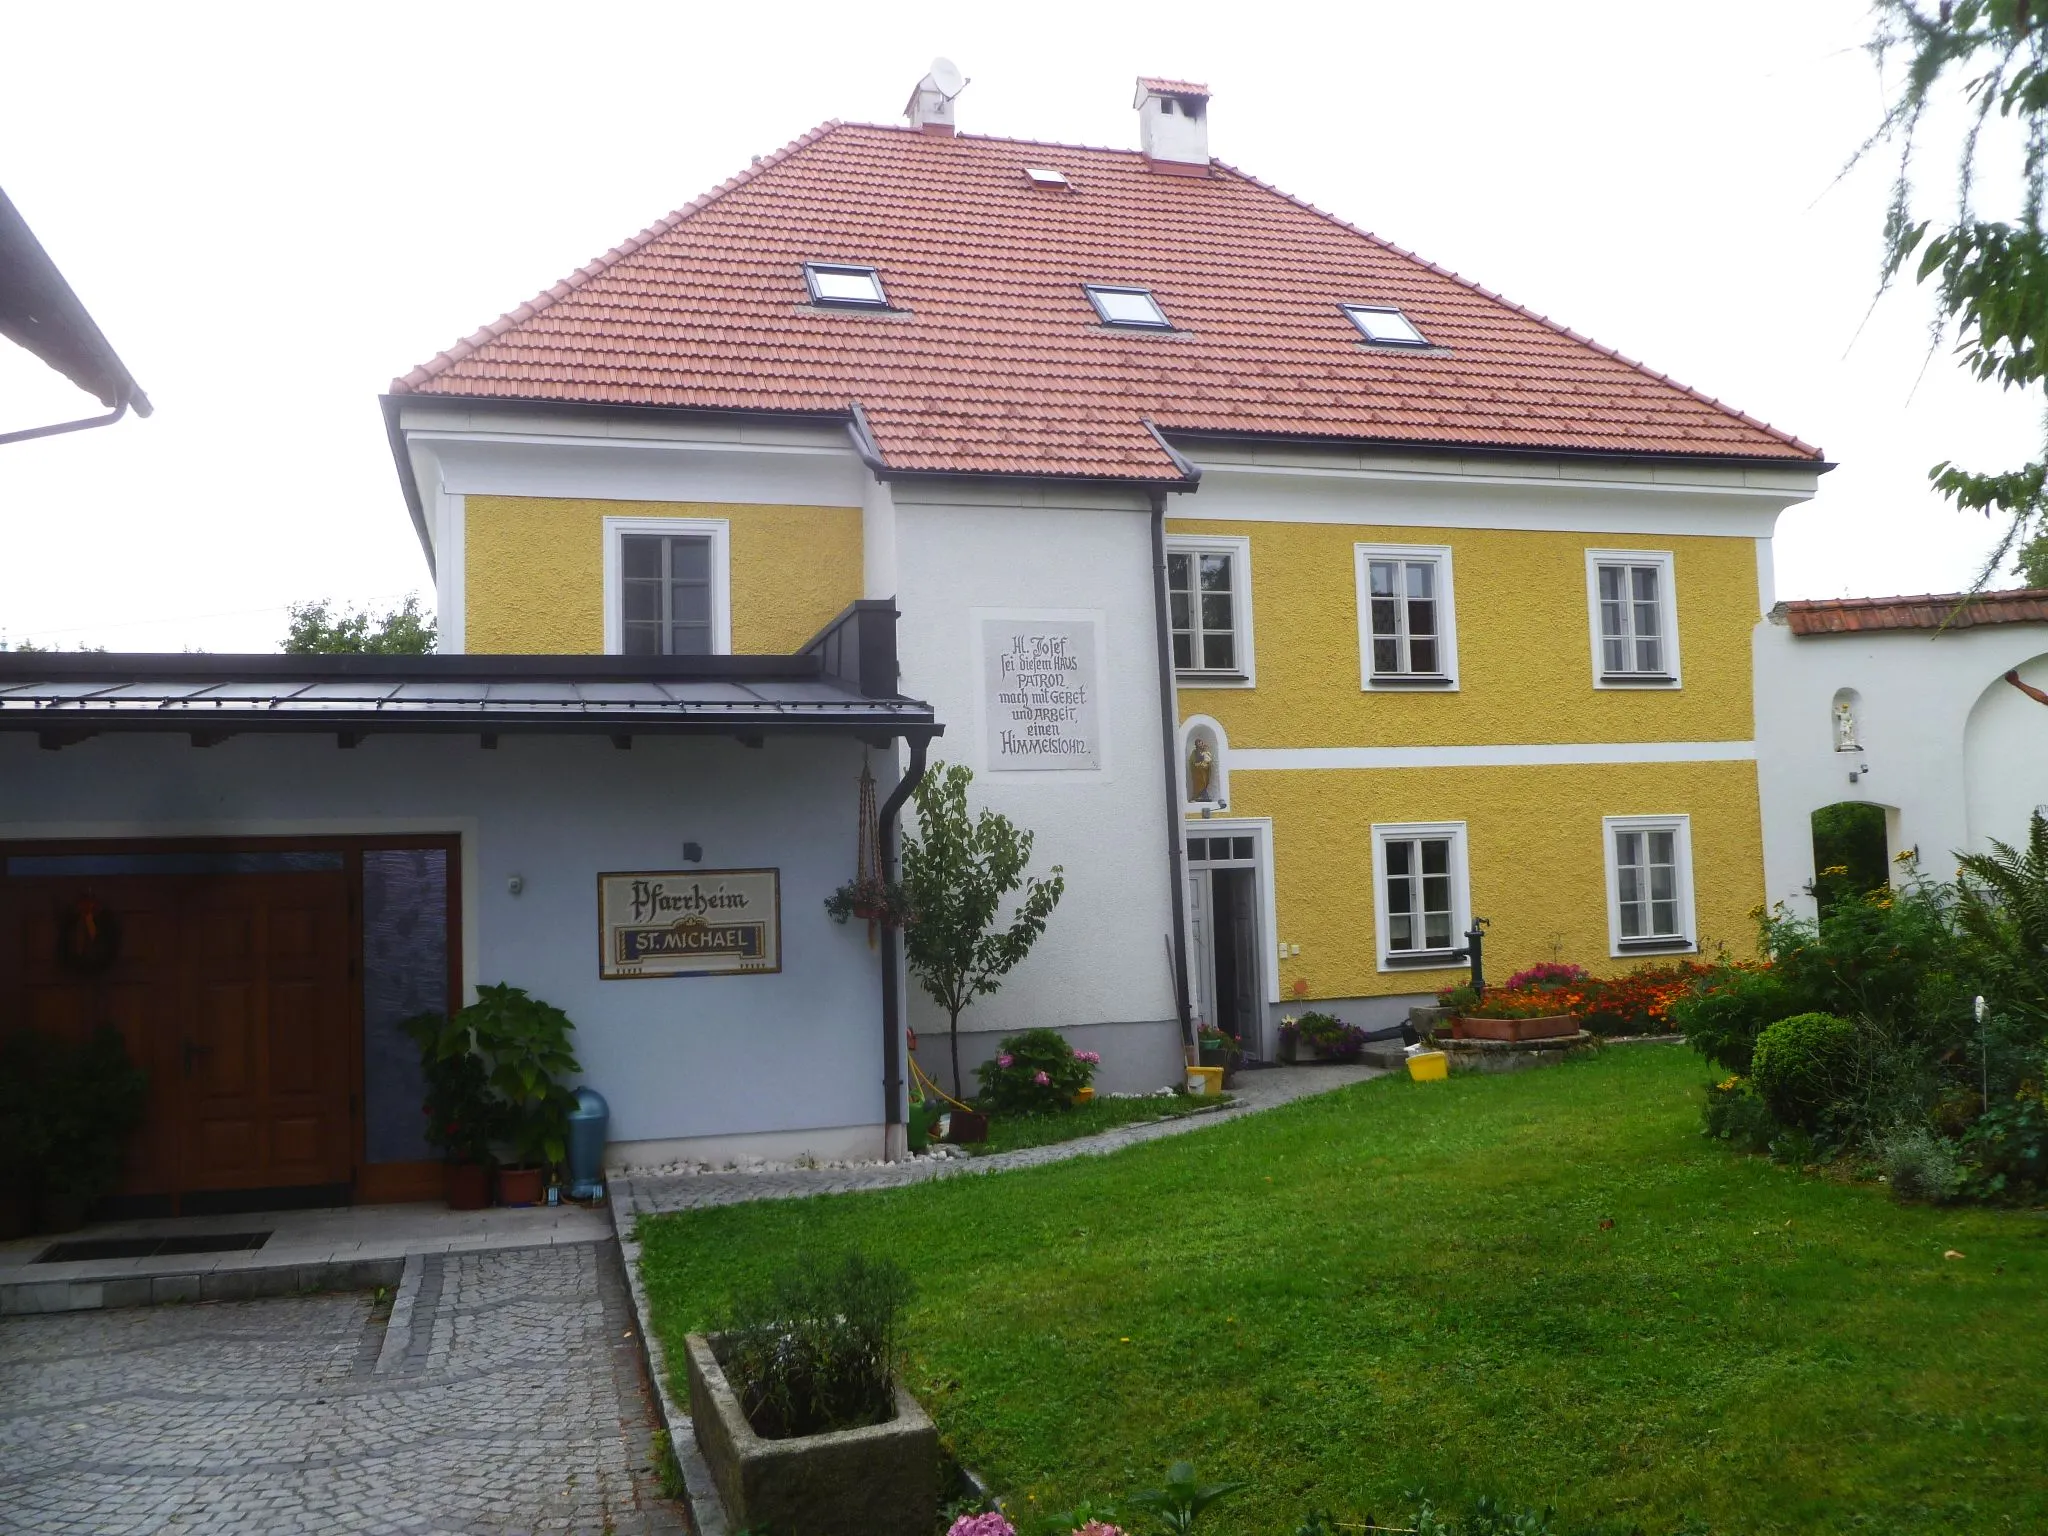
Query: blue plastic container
[589,1122]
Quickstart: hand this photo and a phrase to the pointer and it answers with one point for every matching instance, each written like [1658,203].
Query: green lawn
[1008,1133]
[1408,1285]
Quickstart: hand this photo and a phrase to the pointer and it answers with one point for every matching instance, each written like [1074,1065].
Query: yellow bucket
[1429,1066]
[1084,1095]
[1205,1082]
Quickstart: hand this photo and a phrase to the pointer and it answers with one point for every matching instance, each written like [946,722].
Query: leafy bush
[1035,1073]
[1326,1033]
[1737,1114]
[2003,911]
[1919,1166]
[2006,1149]
[1800,1065]
[1178,1504]
[71,1109]
[521,1045]
[463,1120]
[814,1349]
[1723,1016]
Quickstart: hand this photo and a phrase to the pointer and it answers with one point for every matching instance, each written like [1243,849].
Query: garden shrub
[1327,1034]
[1722,1019]
[1801,1064]
[1919,1166]
[2006,1150]
[814,1348]
[1737,1114]
[1035,1073]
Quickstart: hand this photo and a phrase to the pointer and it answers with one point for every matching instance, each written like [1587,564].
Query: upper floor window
[1635,618]
[1407,635]
[1129,307]
[1209,609]
[667,587]
[1385,326]
[1649,883]
[857,287]
[1424,905]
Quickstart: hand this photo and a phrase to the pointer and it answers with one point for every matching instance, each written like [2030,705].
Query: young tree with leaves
[959,872]
[316,630]
[1989,276]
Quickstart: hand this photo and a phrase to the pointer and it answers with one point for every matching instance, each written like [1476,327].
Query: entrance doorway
[236,976]
[1224,922]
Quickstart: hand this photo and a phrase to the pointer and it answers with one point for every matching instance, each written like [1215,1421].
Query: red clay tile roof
[1933,610]
[993,359]
[1160,87]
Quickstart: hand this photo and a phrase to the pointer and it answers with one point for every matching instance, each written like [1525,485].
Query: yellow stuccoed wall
[1525,658]
[1538,864]
[534,573]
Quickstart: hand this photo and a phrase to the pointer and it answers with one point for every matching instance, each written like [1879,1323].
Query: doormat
[151,1247]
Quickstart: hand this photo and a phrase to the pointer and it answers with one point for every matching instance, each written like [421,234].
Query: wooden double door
[230,975]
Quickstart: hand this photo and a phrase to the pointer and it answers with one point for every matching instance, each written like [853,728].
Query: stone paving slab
[344,1248]
[509,1398]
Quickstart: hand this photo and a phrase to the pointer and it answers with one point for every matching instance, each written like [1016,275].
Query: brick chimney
[1173,125]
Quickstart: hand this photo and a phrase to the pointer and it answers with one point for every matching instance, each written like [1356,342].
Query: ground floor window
[1423,905]
[1649,883]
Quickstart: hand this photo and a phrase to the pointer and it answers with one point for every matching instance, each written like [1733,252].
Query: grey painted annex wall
[677,1059]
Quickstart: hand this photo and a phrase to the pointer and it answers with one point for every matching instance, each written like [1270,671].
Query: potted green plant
[462,1117]
[24,1057]
[1214,1046]
[524,1044]
[93,1098]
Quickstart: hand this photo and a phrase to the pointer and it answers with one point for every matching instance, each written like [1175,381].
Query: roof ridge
[2001,594]
[441,362]
[998,138]
[1522,309]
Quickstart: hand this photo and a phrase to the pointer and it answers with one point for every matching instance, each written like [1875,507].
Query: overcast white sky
[272,210]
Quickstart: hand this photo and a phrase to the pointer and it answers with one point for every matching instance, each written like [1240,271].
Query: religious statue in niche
[1845,727]
[1201,770]
[2036,694]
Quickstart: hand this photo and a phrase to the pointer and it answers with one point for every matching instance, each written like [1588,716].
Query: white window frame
[717,529]
[1096,291]
[1667,602]
[814,269]
[1246,673]
[1687,940]
[1445,680]
[1461,894]
[1414,341]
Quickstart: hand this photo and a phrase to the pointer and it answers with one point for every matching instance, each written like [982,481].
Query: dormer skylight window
[1045,176]
[845,287]
[1385,326]
[1130,308]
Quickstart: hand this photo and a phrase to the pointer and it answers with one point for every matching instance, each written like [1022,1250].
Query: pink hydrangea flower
[1006,1061]
[1094,1059]
[990,1524]
[1097,1528]
[1040,1078]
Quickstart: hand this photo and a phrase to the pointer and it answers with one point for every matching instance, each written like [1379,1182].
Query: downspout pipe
[892,998]
[1169,740]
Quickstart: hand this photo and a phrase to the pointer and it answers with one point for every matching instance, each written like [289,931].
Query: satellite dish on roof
[945,74]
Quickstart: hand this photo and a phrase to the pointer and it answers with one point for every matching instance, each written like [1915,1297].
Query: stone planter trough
[882,1480]
[1555,1027]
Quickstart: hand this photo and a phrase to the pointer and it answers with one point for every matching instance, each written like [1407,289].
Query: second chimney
[1173,123]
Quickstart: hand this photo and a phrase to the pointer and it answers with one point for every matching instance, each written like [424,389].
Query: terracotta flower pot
[469,1186]
[521,1186]
[1555,1027]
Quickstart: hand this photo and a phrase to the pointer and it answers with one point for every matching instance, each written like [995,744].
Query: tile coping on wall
[632,1198]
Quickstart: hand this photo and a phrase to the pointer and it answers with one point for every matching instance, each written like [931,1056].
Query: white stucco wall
[1957,755]
[774,1064]
[963,552]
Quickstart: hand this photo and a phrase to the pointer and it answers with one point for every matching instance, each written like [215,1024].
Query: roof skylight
[853,287]
[1385,325]
[1045,176]
[1132,307]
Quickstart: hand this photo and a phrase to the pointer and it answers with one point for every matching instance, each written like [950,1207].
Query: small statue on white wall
[1201,769]
[1845,727]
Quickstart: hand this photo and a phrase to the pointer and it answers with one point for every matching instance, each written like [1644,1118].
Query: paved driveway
[498,1391]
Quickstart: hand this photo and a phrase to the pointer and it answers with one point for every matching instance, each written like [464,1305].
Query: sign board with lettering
[689,922]
[1043,694]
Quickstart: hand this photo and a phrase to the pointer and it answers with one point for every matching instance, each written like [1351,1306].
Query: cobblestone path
[502,1392]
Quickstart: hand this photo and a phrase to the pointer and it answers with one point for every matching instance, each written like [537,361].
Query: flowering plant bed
[1635,1003]
[1319,1037]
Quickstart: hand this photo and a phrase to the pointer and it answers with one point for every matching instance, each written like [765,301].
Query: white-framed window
[667,586]
[1407,624]
[1209,609]
[847,286]
[1649,884]
[1385,326]
[1127,308]
[1422,901]
[1632,598]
